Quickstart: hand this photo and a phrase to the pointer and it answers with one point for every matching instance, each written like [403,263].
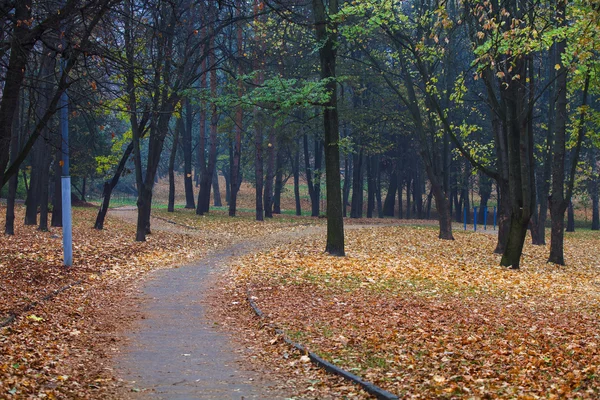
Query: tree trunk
[268,194]
[207,178]
[226,171]
[370,186]
[570,218]
[178,129]
[560,200]
[428,205]
[9,227]
[347,182]
[390,198]
[408,203]
[326,34]
[202,171]
[485,191]
[15,72]
[234,167]
[356,209]
[278,181]
[109,187]
[57,199]
[296,167]
[378,189]
[400,185]
[593,189]
[418,192]
[188,181]
[216,191]
[258,166]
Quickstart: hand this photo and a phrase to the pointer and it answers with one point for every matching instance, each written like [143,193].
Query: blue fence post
[465,218]
[475,219]
[485,210]
[494,217]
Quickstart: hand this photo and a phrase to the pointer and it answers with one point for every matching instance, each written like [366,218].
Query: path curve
[175,351]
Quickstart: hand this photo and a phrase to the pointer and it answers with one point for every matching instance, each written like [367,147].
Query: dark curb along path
[176,352]
[326,365]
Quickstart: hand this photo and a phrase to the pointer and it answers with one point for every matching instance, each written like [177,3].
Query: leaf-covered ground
[60,347]
[425,318]
[418,316]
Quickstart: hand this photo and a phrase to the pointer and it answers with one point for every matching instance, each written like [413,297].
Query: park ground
[420,317]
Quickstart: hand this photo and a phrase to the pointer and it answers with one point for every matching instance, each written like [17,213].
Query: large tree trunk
[326,34]
[188,180]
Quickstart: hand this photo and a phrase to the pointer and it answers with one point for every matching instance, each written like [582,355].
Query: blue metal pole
[485,209]
[66,180]
[465,218]
[494,217]
[475,219]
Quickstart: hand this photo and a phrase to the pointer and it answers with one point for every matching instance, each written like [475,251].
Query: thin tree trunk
[57,199]
[593,189]
[109,187]
[408,204]
[188,181]
[178,129]
[268,194]
[9,227]
[356,209]
[390,198]
[297,180]
[400,185]
[202,147]
[239,121]
[278,181]
[370,187]
[216,191]
[570,218]
[258,167]
[347,182]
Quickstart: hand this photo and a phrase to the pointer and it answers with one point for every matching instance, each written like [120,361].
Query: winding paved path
[176,352]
